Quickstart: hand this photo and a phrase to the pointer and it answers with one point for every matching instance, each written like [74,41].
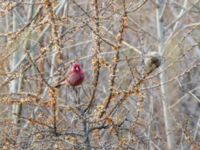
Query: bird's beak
[77,69]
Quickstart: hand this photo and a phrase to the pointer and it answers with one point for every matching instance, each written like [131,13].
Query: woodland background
[119,105]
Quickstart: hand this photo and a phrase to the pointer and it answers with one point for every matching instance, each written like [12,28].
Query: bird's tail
[59,84]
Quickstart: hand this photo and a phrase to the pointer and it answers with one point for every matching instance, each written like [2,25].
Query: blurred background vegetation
[124,103]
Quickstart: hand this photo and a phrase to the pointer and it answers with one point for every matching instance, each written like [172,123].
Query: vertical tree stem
[164,90]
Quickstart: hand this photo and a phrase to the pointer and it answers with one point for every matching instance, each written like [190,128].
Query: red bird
[74,77]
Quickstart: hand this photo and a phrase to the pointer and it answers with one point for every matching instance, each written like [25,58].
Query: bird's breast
[75,78]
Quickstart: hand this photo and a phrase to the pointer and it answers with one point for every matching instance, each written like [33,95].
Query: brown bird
[74,77]
[152,61]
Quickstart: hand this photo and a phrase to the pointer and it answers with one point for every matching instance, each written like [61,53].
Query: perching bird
[152,61]
[74,77]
